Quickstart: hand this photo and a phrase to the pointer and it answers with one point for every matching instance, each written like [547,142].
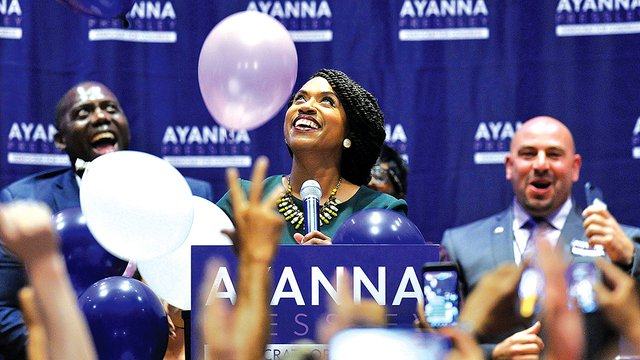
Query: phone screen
[441,299]
[581,277]
[384,343]
[530,292]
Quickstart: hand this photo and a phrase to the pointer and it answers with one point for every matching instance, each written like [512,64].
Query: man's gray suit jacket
[481,246]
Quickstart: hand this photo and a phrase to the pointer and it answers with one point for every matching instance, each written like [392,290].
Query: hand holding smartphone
[593,194]
[530,292]
[440,291]
[581,278]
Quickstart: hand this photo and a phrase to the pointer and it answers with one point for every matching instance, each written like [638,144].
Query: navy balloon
[107,9]
[127,320]
[378,226]
[87,261]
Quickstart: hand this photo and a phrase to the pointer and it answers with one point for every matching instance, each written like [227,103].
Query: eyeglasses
[379,174]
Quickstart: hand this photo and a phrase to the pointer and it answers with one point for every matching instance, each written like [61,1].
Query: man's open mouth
[104,143]
[541,184]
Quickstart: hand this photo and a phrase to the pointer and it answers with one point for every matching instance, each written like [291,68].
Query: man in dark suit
[542,166]
[90,123]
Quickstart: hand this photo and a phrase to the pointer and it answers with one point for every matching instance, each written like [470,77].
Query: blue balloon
[127,320]
[107,9]
[378,226]
[87,261]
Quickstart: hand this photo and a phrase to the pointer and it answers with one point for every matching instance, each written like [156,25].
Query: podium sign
[304,287]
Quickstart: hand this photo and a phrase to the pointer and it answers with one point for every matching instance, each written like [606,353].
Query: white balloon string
[131,269]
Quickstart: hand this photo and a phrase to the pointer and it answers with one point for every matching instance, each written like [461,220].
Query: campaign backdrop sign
[304,286]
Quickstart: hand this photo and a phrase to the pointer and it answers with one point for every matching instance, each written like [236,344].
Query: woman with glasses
[389,174]
[333,129]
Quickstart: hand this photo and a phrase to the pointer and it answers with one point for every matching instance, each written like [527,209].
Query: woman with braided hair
[334,130]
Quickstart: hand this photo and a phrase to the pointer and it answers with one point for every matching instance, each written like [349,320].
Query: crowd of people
[334,130]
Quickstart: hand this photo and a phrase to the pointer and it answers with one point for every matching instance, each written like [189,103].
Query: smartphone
[593,194]
[581,277]
[440,292]
[385,343]
[530,292]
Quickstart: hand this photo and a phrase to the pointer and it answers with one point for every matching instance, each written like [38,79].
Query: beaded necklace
[293,214]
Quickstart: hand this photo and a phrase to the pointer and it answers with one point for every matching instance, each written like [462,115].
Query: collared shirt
[521,231]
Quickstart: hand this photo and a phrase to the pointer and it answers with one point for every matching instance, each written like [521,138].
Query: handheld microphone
[311,194]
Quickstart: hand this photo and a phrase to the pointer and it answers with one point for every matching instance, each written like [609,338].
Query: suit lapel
[502,237]
[68,194]
[572,230]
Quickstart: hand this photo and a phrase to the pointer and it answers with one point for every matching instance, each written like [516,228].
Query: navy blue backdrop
[454,78]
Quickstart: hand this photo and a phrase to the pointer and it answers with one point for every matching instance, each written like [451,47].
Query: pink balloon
[247,69]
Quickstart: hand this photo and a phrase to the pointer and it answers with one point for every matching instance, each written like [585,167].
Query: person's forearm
[631,331]
[634,338]
[251,313]
[66,327]
[634,268]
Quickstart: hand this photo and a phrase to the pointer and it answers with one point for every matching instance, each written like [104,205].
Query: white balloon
[169,276]
[137,205]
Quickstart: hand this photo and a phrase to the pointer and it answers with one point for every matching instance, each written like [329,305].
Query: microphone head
[311,188]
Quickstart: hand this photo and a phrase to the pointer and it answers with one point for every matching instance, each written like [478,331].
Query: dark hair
[398,169]
[365,125]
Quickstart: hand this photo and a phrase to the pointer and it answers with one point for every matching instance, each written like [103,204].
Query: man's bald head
[542,165]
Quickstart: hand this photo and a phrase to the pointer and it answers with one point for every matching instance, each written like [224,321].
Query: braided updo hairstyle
[365,124]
